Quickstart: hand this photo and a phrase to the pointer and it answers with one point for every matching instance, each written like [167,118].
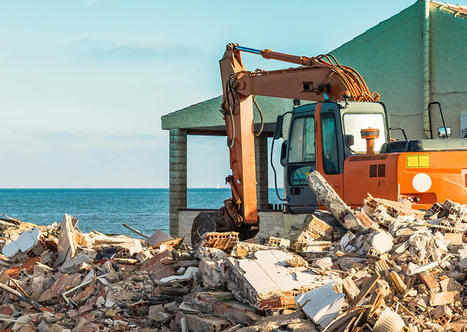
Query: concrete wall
[449,67]
[389,57]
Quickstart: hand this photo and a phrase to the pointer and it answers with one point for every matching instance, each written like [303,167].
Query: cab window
[330,155]
[302,140]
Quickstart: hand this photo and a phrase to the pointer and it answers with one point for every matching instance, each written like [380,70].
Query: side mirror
[278,129]
[349,140]
[444,132]
[284,154]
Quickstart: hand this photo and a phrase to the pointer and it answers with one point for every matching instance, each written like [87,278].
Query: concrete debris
[383,267]
[333,203]
[25,242]
[313,229]
[380,241]
[277,242]
[266,283]
[323,263]
[322,304]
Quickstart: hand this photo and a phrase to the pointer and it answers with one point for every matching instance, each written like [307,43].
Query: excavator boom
[319,78]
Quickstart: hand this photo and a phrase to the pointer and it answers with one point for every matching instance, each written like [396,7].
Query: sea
[105,210]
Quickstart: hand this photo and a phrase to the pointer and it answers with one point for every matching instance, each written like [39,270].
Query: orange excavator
[343,134]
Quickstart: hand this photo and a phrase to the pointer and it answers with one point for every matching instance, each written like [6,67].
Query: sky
[83,83]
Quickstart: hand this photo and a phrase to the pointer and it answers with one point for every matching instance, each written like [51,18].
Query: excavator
[343,133]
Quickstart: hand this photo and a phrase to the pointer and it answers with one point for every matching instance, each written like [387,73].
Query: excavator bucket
[219,221]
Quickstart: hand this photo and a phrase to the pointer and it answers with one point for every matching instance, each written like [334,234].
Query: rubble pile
[388,267]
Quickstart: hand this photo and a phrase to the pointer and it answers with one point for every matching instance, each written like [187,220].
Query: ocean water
[105,210]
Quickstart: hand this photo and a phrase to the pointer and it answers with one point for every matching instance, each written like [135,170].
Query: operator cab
[325,145]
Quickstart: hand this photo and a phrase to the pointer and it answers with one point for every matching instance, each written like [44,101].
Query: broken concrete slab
[266,283]
[321,304]
[330,199]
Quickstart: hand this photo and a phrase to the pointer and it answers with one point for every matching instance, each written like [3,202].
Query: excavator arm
[318,78]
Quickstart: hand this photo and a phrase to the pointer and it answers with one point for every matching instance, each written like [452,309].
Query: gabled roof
[206,115]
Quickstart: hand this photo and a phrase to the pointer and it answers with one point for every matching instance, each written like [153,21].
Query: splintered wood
[67,239]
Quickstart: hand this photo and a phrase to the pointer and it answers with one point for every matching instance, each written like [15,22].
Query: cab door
[329,145]
[300,161]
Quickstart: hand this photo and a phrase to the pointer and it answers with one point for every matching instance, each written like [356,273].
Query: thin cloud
[131,137]
[106,50]
[89,3]
[81,136]
[63,135]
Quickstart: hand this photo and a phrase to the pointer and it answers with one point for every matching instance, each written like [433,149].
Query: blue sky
[83,83]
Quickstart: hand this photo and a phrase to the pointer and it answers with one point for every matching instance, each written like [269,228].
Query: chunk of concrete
[25,242]
[313,229]
[444,298]
[380,241]
[323,263]
[349,287]
[322,304]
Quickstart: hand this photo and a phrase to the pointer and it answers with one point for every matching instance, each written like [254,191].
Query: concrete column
[261,150]
[177,183]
